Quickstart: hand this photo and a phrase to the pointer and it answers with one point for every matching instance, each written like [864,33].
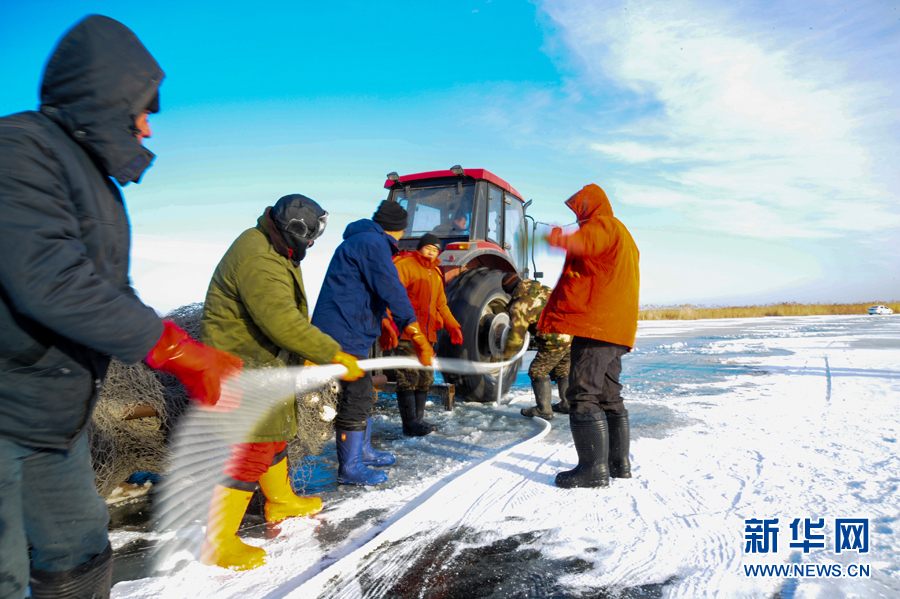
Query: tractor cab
[479,218]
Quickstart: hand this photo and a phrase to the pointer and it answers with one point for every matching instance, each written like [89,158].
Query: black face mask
[300,221]
[298,235]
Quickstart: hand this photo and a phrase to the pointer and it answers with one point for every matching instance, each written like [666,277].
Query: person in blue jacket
[360,285]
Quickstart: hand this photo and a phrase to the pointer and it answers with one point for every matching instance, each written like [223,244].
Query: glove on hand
[354,372]
[229,398]
[456,336]
[573,244]
[424,351]
[556,238]
[199,367]
[389,335]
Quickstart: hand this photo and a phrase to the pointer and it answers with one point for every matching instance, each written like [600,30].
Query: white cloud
[742,116]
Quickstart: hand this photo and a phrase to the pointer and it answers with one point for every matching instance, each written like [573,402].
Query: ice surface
[731,420]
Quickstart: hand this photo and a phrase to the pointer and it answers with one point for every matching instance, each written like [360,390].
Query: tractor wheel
[474,298]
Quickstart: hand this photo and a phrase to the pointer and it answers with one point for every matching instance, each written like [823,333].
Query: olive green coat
[256,309]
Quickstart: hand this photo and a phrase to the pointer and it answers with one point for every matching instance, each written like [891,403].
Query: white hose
[454,365]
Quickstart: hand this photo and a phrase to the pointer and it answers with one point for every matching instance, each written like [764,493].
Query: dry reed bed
[688,312]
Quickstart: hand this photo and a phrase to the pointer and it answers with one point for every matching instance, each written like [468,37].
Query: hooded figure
[299,221]
[101,57]
[67,307]
[596,300]
[597,294]
[256,308]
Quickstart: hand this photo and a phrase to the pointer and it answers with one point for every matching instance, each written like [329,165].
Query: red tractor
[480,219]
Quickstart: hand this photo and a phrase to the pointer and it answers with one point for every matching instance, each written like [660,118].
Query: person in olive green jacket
[256,308]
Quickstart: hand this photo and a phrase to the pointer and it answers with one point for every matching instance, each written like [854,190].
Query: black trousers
[594,376]
[355,404]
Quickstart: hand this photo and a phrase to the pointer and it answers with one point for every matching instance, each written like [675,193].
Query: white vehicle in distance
[880,310]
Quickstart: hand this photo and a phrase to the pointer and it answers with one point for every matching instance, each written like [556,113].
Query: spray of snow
[200,446]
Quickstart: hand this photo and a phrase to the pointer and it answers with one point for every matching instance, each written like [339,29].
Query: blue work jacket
[361,283]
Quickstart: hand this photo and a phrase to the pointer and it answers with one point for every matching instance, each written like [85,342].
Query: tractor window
[494,214]
[425,219]
[514,237]
[477,224]
[445,211]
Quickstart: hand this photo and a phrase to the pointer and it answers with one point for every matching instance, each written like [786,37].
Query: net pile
[121,447]
[315,427]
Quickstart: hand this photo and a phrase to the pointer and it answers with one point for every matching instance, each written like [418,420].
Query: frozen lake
[732,420]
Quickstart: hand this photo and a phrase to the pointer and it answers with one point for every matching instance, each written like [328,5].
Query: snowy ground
[731,420]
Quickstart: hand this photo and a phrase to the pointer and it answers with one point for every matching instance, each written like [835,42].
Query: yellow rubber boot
[222,547]
[281,502]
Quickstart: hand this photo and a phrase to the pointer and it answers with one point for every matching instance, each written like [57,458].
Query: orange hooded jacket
[425,286]
[597,294]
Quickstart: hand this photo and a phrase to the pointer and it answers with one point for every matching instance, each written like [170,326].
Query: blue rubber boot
[370,455]
[351,470]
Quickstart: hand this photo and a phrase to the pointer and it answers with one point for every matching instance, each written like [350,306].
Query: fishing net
[122,444]
[315,427]
[121,447]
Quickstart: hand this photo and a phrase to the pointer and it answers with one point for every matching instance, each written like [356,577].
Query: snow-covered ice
[731,420]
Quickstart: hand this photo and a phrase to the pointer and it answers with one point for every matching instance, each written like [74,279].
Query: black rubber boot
[562,387]
[406,402]
[421,399]
[542,390]
[91,580]
[592,444]
[619,441]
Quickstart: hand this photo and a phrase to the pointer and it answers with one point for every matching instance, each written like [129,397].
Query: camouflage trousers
[409,380]
[553,363]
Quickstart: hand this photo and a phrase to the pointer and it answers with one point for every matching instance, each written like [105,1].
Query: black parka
[66,304]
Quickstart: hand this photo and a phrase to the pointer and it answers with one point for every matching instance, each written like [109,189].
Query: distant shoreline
[689,312]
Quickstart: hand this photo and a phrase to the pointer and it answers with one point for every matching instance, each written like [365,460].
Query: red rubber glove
[573,244]
[200,368]
[424,351]
[456,336]
[229,397]
[389,335]
[354,372]
[556,238]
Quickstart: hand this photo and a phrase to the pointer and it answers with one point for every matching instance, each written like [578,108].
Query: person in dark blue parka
[360,285]
[67,306]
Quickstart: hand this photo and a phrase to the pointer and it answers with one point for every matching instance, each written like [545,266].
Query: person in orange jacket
[424,284]
[596,301]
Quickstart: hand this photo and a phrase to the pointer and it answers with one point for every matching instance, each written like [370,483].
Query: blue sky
[750,147]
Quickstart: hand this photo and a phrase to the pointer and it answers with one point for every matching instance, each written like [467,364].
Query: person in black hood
[67,306]
[300,221]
